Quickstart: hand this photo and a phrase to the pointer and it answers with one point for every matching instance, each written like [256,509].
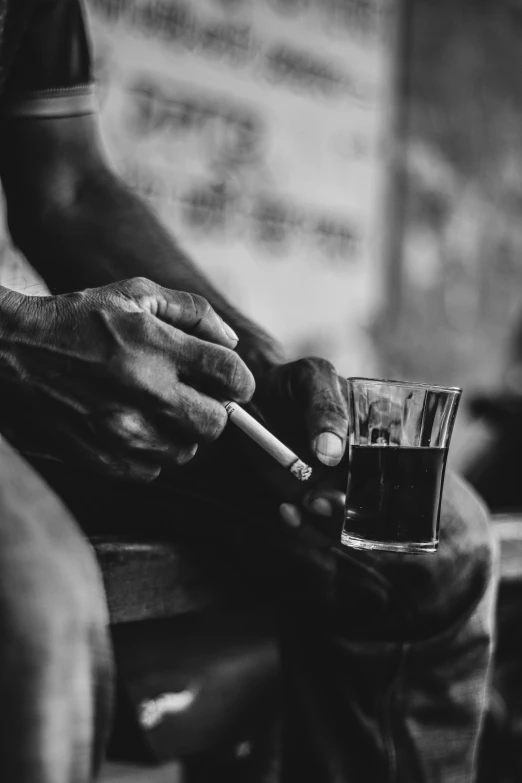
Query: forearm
[108,234]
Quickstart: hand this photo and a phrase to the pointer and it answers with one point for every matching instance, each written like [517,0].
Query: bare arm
[75,355]
[80,226]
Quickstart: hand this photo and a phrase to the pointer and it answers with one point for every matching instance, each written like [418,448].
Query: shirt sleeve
[51,75]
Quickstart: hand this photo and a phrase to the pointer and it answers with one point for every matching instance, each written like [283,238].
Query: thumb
[326,409]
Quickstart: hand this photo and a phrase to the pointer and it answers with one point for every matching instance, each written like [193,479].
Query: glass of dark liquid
[398,445]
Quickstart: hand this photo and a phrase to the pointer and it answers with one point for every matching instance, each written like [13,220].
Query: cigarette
[267,441]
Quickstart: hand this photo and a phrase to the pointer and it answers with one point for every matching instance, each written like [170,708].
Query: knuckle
[130,427]
[138,290]
[236,375]
[227,366]
[131,363]
[201,305]
[215,420]
[195,305]
[141,284]
[183,456]
[117,423]
[314,365]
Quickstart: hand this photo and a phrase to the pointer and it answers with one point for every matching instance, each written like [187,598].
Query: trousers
[385,657]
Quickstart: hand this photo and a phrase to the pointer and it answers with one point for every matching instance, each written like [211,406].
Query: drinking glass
[398,446]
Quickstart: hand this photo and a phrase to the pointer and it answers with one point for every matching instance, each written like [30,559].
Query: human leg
[388,682]
[55,661]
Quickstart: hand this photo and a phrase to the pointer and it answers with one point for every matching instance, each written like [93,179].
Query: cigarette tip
[300,470]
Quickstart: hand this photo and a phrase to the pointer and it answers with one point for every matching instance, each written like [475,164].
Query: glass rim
[406,384]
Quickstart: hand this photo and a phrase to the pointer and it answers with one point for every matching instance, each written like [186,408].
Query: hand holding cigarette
[267,441]
[319,501]
[307,401]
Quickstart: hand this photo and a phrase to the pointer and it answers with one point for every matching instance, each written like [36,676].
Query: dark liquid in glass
[394,493]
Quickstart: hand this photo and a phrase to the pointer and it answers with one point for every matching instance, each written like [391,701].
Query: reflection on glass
[399,438]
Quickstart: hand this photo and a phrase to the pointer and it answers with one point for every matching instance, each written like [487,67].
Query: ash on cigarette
[301,471]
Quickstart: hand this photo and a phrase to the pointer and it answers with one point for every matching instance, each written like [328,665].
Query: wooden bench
[147,580]
[157,579]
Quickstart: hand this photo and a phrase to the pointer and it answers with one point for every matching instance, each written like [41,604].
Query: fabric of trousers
[385,657]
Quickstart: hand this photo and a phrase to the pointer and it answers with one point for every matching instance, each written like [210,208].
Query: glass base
[406,547]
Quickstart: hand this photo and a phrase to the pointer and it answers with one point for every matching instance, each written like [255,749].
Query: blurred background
[349,172]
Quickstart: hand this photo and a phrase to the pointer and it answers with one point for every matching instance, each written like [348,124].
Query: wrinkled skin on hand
[124,378]
[302,402]
[305,402]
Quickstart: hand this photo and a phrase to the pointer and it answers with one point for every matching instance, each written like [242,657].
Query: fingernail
[329,448]
[322,507]
[290,514]
[229,332]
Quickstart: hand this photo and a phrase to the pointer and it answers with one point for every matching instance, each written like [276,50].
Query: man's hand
[122,378]
[305,404]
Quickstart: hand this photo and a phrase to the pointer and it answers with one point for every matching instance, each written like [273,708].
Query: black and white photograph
[260,391]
